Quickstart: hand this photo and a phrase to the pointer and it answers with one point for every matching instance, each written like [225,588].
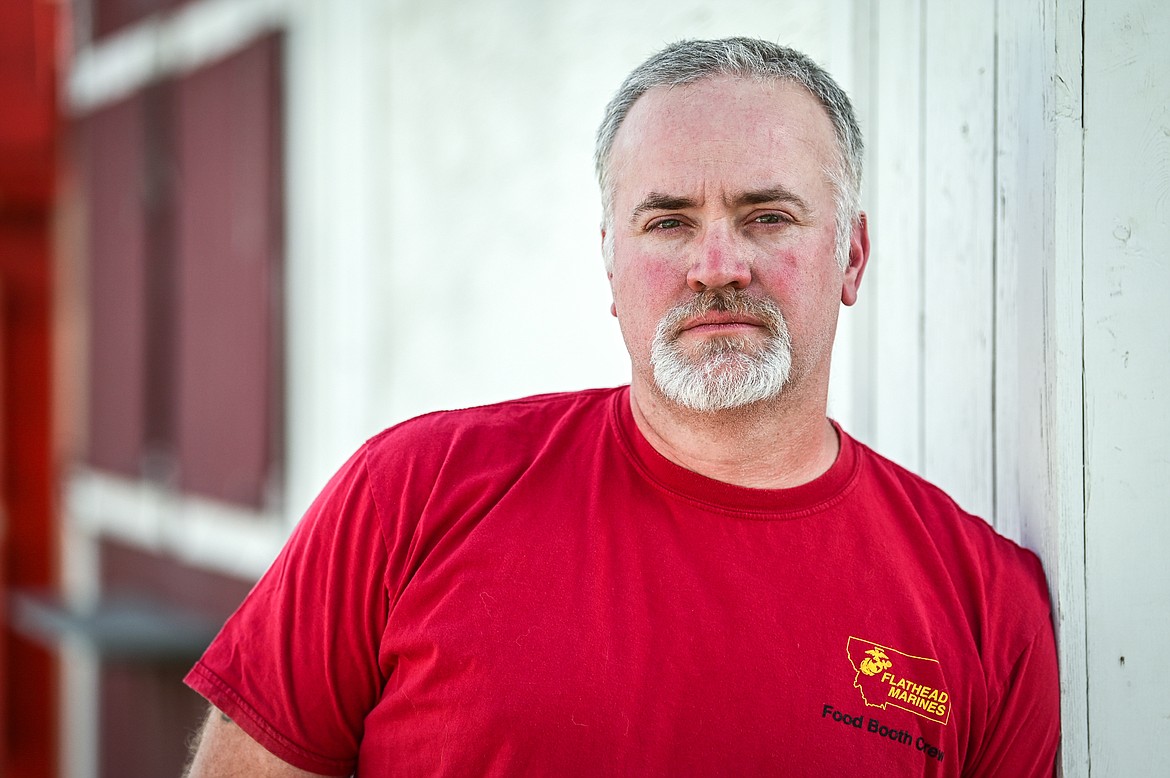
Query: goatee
[724,372]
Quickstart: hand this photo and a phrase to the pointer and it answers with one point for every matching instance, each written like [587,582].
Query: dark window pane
[113,164]
[227,232]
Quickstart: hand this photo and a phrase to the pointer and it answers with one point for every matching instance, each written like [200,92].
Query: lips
[715,319]
[727,310]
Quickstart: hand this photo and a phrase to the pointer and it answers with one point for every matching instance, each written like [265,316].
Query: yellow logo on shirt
[888,677]
[875,662]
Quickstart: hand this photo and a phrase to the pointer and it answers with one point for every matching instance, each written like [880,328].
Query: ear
[858,258]
[608,274]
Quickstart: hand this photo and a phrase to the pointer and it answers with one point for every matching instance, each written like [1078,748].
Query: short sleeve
[1023,729]
[297,666]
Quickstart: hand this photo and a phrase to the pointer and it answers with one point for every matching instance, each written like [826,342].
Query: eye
[665,224]
[771,218]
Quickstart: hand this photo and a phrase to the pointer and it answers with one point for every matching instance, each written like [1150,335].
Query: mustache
[724,300]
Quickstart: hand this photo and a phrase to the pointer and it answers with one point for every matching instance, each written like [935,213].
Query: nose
[719,262]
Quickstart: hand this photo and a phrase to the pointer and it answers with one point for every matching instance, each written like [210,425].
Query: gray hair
[689,61]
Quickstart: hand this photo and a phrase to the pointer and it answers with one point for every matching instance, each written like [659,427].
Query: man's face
[724,275]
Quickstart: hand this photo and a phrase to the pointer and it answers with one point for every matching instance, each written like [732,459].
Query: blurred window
[186,292]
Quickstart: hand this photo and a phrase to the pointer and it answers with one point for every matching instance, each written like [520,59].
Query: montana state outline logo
[887,677]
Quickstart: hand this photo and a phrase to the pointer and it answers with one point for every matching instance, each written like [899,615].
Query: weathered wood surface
[1127,384]
[958,228]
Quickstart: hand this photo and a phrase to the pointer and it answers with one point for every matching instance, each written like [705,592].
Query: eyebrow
[658,201]
[772,194]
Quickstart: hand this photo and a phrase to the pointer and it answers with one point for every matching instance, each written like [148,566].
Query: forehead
[723,131]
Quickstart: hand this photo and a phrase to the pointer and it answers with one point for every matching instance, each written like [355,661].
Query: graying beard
[729,372]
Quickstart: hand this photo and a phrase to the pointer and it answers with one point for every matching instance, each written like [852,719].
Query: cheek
[643,293]
[813,318]
[647,286]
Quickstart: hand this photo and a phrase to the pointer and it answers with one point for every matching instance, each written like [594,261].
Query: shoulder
[481,449]
[978,557]
[514,423]
[937,509]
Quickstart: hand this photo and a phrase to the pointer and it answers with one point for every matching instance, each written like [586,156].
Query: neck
[774,445]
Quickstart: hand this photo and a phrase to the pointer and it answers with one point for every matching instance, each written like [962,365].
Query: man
[699,574]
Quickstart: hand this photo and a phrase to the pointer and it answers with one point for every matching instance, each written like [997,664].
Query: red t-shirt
[530,588]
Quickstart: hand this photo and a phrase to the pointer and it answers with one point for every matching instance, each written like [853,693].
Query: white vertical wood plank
[1062,422]
[958,245]
[336,164]
[850,398]
[1127,383]
[1023,151]
[1038,397]
[1061,418]
[78,697]
[893,282]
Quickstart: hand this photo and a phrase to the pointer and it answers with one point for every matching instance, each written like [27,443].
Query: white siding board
[958,245]
[1061,422]
[1038,398]
[1127,343]
[1022,151]
[849,400]
[334,263]
[894,201]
